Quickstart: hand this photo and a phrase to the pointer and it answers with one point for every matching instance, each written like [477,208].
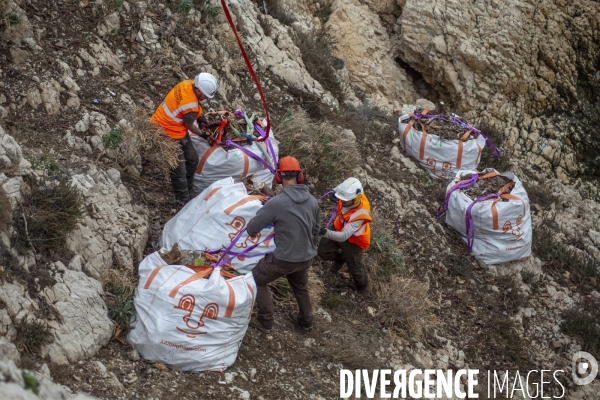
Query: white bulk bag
[218,162]
[501,226]
[188,322]
[442,158]
[213,219]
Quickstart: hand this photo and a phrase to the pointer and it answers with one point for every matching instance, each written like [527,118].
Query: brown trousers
[349,253]
[270,269]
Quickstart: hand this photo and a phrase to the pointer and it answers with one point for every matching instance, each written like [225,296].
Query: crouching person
[294,215]
[352,234]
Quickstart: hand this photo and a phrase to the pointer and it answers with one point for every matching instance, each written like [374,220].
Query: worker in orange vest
[176,115]
[352,234]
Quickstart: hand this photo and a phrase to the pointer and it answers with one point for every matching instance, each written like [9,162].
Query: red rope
[249,65]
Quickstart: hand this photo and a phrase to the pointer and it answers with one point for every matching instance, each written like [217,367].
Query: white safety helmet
[207,84]
[348,190]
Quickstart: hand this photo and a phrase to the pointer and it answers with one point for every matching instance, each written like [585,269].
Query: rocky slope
[73,70]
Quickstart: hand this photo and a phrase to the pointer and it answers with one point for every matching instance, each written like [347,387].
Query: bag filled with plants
[232,150]
[491,212]
[443,143]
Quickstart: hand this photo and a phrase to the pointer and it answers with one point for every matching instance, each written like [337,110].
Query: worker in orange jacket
[352,232]
[176,115]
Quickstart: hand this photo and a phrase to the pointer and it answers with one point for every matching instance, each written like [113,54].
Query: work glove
[202,121]
[322,231]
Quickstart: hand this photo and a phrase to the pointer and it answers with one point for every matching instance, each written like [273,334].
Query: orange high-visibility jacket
[169,115]
[362,237]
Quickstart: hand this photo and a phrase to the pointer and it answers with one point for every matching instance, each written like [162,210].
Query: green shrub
[120,301]
[387,259]
[48,214]
[116,4]
[44,162]
[8,17]
[30,382]
[31,335]
[324,12]
[213,10]
[333,300]
[112,139]
[185,6]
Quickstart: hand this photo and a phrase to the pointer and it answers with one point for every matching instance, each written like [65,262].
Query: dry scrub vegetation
[8,17]
[49,212]
[324,152]
[119,288]
[403,301]
[142,138]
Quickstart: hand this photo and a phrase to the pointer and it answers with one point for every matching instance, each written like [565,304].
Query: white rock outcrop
[112,230]
[85,325]
[14,387]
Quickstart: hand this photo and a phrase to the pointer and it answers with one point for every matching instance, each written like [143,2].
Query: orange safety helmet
[288,164]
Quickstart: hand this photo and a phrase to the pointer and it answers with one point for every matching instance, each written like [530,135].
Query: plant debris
[486,186]
[441,126]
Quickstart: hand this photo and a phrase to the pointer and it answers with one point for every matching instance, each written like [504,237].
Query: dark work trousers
[182,176]
[270,269]
[349,253]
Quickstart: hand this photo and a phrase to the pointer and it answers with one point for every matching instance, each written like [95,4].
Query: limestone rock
[34,99]
[110,24]
[12,386]
[365,46]
[280,62]
[50,98]
[111,215]
[104,56]
[8,351]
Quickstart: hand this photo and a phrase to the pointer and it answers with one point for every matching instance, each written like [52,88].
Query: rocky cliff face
[520,66]
[73,71]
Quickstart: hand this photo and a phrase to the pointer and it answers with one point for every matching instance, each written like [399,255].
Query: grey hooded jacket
[294,214]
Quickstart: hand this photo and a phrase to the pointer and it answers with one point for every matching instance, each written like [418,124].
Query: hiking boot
[256,324]
[294,318]
[363,291]
[336,266]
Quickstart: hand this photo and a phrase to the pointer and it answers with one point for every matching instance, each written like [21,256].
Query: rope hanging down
[249,65]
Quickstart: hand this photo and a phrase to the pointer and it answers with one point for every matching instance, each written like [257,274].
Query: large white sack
[211,220]
[188,323]
[502,227]
[218,162]
[442,158]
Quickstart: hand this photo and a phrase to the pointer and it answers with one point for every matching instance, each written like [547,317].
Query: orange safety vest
[169,115]
[362,237]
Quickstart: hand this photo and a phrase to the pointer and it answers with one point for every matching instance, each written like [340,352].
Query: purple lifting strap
[334,209]
[464,184]
[457,121]
[251,155]
[270,149]
[470,231]
[223,260]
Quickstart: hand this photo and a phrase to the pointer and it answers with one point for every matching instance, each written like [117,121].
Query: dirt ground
[349,333]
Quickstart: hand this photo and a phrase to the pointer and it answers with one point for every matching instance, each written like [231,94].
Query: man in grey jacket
[294,215]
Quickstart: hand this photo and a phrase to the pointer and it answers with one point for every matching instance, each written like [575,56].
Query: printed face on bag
[238,224]
[187,303]
[446,168]
[515,229]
